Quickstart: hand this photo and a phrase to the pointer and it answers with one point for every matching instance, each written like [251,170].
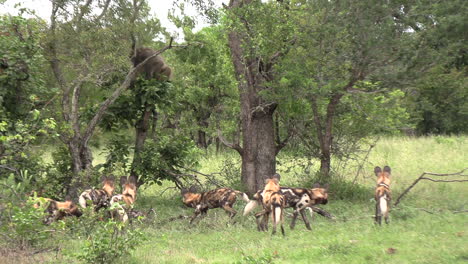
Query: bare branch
[104,10]
[425,178]
[230,145]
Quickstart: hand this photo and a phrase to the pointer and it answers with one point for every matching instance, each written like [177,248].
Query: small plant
[23,225]
[109,241]
[265,259]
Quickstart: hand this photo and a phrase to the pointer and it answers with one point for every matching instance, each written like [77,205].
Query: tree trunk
[82,160]
[201,139]
[324,131]
[253,73]
[141,131]
[259,149]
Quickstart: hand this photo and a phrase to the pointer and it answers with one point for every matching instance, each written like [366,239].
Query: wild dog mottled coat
[382,194]
[297,198]
[58,210]
[128,196]
[218,198]
[273,202]
[99,197]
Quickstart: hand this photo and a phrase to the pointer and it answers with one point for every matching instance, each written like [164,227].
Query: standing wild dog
[217,198]
[273,202]
[297,198]
[382,194]
[99,197]
[128,196]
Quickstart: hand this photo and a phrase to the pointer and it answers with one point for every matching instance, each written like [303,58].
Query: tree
[23,94]
[344,48]
[259,34]
[85,50]
[206,82]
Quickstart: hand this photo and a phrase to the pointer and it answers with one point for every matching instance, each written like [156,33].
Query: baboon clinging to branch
[154,68]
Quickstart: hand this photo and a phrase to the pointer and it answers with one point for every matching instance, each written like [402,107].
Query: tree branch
[105,105]
[230,145]
[425,178]
[104,10]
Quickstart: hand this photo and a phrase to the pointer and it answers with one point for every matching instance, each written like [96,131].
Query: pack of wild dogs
[273,199]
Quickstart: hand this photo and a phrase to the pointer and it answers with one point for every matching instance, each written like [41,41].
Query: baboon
[154,67]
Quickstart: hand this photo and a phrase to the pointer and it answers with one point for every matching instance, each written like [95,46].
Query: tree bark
[258,151]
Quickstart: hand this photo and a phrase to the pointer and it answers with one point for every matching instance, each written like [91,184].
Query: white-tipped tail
[250,207]
[82,199]
[383,204]
[245,197]
[277,215]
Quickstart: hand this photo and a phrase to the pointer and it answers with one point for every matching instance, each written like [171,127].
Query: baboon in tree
[154,68]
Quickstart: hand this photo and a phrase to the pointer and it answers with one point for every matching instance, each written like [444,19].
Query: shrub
[105,240]
[23,224]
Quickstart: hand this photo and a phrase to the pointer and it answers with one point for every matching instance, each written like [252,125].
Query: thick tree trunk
[253,73]
[259,149]
[82,160]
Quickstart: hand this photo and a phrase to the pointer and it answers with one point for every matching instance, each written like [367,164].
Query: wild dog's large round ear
[387,169]
[377,170]
[123,180]
[183,191]
[276,176]
[326,186]
[68,198]
[111,179]
[193,189]
[103,178]
[132,180]
[316,185]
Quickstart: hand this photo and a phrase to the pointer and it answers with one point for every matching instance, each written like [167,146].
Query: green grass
[423,228]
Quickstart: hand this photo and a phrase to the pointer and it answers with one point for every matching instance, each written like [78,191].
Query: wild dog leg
[259,221]
[197,213]
[293,222]
[378,216]
[230,210]
[306,220]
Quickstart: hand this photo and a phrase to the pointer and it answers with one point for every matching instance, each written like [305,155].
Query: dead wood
[422,177]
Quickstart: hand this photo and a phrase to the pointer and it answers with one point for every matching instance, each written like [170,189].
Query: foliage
[108,241]
[205,84]
[440,110]
[21,221]
[22,75]
[166,157]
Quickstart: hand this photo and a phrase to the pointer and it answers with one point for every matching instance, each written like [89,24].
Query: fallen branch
[430,179]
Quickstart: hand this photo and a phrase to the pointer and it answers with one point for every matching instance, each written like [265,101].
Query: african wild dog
[99,197]
[382,194]
[273,202]
[297,198]
[128,196]
[217,198]
[59,210]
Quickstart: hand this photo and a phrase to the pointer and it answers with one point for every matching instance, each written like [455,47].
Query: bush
[107,241]
[23,224]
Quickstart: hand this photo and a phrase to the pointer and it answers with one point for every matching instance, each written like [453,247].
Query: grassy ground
[423,227]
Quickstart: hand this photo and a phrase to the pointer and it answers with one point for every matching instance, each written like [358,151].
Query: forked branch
[422,177]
